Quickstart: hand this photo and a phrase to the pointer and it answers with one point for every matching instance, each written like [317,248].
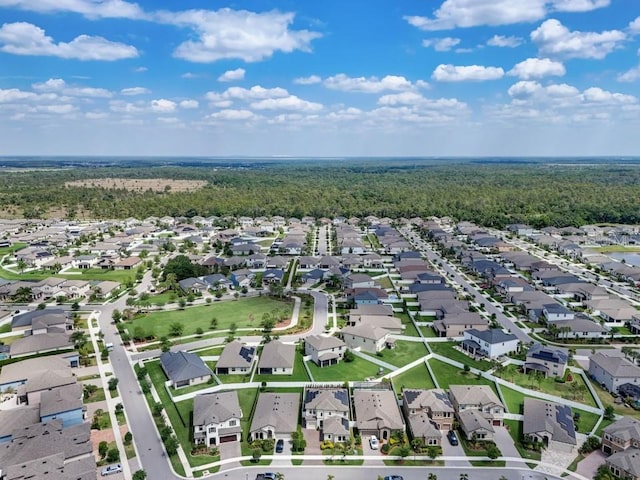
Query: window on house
[233,423]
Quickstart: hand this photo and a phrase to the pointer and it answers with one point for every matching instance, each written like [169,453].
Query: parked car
[279,446]
[111,469]
[374,443]
[393,477]
[453,439]
[266,476]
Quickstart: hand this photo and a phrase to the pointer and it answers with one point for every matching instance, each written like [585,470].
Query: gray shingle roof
[236,355]
[320,342]
[492,336]
[276,354]
[549,417]
[375,409]
[216,408]
[626,428]
[278,410]
[181,366]
[616,366]
[627,460]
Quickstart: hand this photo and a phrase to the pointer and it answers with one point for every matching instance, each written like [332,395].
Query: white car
[374,443]
[111,469]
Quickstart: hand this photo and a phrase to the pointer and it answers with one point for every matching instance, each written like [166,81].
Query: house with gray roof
[216,418]
[63,403]
[236,358]
[550,361]
[611,369]
[427,413]
[625,464]
[368,338]
[550,424]
[475,425]
[621,435]
[491,343]
[17,417]
[184,369]
[41,321]
[480,398]
[377,413]
[327,410]
[277,358]
[46,450]
[275,416]
[38,344]
[324,350]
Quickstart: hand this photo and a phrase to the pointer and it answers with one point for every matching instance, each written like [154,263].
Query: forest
[489,193]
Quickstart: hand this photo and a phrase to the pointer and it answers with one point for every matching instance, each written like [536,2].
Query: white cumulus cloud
[232,75]
[441,44]
[133,91]
[290,102]
[310,80]
[88,8]
[455,73]
[189,104]
[367,84]
[503,41]
[471,13]
[240,34]
[230,114]
[163,105]
[23,38]
[537,68]
[630,75]
[58,85]
[554,39]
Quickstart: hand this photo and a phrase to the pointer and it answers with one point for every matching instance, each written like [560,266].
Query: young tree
[139,475]
[113,455]
[113,383]
[103,448]
[176,329]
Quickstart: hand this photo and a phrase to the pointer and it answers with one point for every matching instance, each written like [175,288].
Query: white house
[324,351]
[368,338]
[491,343]
[216,418]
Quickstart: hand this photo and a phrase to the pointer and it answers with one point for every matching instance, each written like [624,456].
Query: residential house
[236,358]
[625,464]
[277,358]
[63,403]
[327,410]
[367,338]
[491,343]
[550,361]
[554,312]
[427,413]
[275,415]
[480,398]
[611,370]
[184,368]
[475,425]
[324,350]
[216,418]
[550,424]
[128,263]
[455,325]
[377,413]
[621,435]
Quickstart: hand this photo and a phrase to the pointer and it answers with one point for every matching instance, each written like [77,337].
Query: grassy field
[417,377]
[449,375]
[514,400]
[13,248]
[244,312]
[403,353]
[246,397]
[428,332]
[607,399]
[357,370]
[587,421]
[299,373]
[76,274]
[446,349]
[6,328]
[575,390]
[605,423]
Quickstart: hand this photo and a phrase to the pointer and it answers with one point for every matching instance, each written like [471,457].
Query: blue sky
[320,78]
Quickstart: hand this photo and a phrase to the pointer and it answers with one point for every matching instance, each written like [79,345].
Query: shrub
[385,448]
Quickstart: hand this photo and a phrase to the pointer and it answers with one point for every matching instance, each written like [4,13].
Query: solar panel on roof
[342,396]
[411,395]
[247,353]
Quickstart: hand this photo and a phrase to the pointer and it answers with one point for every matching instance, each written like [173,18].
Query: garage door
[228,438]
[497,423]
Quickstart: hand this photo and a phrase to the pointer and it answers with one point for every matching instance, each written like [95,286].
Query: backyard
[244,313]
[416,377]
[575,389]
[299,373]
[447,349]
[449,375]
[403,353]
[357,370]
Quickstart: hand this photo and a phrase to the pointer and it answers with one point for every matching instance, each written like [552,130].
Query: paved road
[453,274]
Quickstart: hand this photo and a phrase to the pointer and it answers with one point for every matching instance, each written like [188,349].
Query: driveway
[313,445]
[278,461]
[588,467]
[449,450]
[505,443]
[367,450]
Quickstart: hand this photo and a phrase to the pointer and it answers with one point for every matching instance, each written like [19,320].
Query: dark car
[453,439]
[279,446]
[266,476]
[393,477]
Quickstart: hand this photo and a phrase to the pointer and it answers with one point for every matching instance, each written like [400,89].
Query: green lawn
[357,370]
[210,352]
[244,312]
[449,375]
[299,373]
[514,400]
[575,390]
[385,282]
[446,349]
[99,274]
[587,421]
[607,399]
[13,248]
[428,332]
[417,377]
[403,353]
[515,430]
[410,329]
[160,298]
[6,328]
[605,423]
[247,398]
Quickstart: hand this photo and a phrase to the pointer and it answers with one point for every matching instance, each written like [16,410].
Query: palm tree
[279,476]
[22,264]
[432,476]
[464,476]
